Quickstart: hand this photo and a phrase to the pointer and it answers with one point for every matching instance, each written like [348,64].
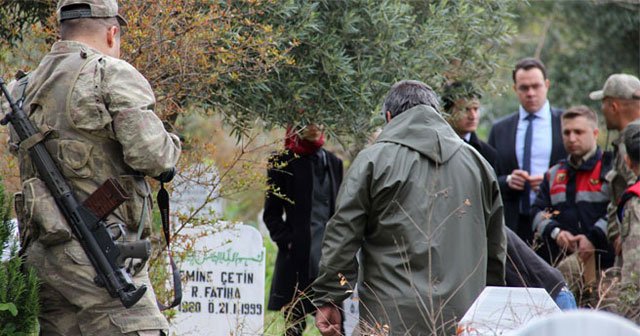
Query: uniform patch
[561,177]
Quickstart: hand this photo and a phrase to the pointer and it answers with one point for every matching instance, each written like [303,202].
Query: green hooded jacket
[424,210]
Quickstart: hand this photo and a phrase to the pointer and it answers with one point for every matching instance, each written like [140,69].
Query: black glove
[167,176]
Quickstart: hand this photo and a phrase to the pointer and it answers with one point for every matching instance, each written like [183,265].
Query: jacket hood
[422,129]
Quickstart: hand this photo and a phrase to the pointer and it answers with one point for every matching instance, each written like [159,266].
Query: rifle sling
[163,204]
[31,141]
[21,88]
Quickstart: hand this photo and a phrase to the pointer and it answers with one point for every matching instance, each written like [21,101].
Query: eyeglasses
[525,88]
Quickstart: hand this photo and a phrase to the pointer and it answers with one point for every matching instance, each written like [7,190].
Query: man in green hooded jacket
[425,212]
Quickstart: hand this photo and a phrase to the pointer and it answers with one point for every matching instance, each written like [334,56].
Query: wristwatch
[554,233]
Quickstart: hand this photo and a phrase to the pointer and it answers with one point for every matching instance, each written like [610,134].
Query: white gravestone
[502,310]
[223,284]
[583,322]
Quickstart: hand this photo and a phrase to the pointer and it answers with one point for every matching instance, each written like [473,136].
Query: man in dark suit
[528,142]
[461,101]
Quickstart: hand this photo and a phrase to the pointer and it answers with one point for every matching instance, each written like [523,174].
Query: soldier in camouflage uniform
[628,210]
[629,215]
[620,106]
[96,114]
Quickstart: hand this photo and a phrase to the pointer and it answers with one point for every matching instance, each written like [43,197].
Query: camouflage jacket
[96,115]
[630,234]
[619,179]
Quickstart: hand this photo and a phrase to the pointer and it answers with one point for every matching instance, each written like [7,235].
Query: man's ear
[632,165]
[615,105]
[627,161]
[112,35]
[635,167]
[388,116]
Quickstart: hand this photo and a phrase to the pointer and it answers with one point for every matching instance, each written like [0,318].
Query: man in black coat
[303,185]
[461,101]
[528,142]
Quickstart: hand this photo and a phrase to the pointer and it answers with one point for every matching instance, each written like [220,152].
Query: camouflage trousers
[71,303]
[582,279]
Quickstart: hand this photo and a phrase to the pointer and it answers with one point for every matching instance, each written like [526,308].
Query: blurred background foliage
[290,61]
[580,42]
[228,75]
[267,63]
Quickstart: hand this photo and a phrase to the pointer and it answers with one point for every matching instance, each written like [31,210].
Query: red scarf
[300,146]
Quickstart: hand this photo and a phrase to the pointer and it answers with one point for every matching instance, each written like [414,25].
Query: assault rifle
[86,220]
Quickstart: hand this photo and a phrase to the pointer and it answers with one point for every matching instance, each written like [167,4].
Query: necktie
[525,205]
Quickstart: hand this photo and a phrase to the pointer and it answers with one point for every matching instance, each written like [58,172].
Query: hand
[518,179]
[617,245]
[328,320]
[166,176]
[585,247]
[535,181]
[566,241]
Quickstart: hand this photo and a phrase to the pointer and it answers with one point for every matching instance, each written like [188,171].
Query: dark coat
[488,152]
[524,268]
[503,138]
[295,183]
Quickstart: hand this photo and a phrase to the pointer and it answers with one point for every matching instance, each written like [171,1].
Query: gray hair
[406,94]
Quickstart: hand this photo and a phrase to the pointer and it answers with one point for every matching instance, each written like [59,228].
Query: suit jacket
[503,138]
[488,152]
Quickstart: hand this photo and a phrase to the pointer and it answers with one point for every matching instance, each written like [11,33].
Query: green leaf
[10,307]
